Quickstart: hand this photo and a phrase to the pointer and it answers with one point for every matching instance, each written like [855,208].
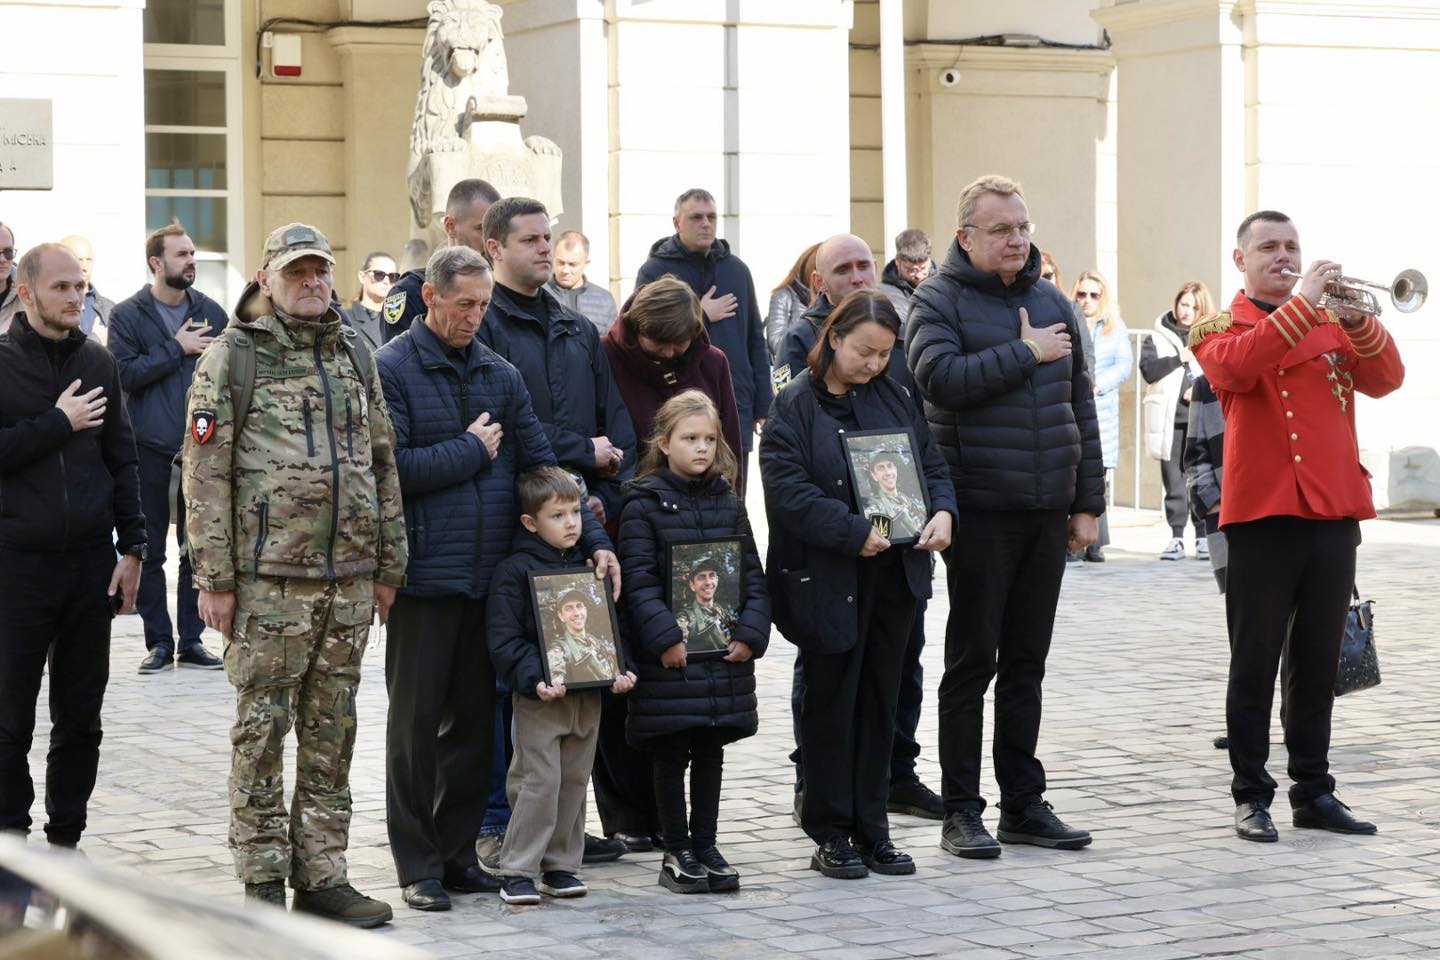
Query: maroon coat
[646,384]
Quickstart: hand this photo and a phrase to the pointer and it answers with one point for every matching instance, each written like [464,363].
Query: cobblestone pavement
[1134,695]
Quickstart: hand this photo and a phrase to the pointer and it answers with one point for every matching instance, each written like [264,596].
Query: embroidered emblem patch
[394,307]
[202,425]
[780,379]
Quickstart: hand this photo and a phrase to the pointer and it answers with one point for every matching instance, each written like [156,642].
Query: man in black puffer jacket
[1011,408]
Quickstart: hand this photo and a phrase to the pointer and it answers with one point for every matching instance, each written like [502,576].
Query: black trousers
[53,605]
[1172,476]
[152,602]
[847,722]
[622,778]
[440,732]
[1285,571]
[702,749]
[906,747]
[1003,571]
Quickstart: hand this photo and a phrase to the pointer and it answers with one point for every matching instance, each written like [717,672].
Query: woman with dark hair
[658,349]
[839,591]
[790,299]
[377,275]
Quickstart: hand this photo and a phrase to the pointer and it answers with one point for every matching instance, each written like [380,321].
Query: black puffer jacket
[1017,434]
[659,509]
[816,529]
[510,628]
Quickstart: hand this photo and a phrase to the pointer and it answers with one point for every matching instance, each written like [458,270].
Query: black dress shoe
[915,799]
[426,895]
[602,849]
[635,842]
[1326,812]
[1252,822]
[471,879]
[884,858]
[1221,743]
[195,656]
[836,859]
[1094,554]
[965,835]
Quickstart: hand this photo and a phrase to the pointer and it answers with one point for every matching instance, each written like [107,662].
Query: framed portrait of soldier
[889,488]
[575,617]
[705,581]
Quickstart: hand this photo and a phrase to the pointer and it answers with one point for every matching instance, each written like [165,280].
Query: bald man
[844,264]
[95,322]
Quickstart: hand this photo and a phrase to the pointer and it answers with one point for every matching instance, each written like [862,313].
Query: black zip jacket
[62,490]
[1018,434]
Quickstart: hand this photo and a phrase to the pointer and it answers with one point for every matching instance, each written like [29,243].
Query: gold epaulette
[1201,329]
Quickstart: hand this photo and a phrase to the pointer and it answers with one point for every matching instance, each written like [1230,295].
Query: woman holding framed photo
[840,591]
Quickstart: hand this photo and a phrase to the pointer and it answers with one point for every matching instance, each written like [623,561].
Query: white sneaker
[1174,550]
[1202,549]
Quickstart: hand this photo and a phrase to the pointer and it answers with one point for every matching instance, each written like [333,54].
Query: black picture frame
[728,555]
[548,588]
[901,527]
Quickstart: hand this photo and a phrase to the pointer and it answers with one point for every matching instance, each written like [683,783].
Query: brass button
[1294,436]
[1282,373]
[1297,458]
[1289,414]
[1285,394]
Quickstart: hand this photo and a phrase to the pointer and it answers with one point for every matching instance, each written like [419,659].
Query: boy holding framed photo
[552,635]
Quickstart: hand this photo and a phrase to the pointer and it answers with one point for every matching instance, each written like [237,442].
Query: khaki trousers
[554,750]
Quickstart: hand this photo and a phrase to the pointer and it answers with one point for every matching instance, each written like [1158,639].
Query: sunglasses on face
[7,253]
[380,275]
[1087,295]
[1047,276]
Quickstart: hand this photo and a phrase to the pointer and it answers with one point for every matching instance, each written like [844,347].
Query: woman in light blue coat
[1113,365]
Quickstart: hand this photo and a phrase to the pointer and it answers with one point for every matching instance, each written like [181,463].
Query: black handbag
[1359,664]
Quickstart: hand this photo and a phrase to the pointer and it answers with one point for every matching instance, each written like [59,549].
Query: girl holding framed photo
[686,708]
[841,592]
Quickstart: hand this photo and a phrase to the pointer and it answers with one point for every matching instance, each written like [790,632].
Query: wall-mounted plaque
[27,145]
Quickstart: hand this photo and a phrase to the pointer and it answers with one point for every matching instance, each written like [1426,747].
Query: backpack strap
[242,378]
[360,355]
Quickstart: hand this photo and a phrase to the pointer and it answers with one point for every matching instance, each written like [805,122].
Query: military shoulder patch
[780,379]
[394,307]
[202,425]
[1201,329]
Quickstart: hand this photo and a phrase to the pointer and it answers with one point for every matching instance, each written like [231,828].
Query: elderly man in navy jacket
[1011,408]
[727,295]
[156,337]
[464,429]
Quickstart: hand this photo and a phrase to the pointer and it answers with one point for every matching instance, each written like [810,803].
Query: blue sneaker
[558,883]
[519,891]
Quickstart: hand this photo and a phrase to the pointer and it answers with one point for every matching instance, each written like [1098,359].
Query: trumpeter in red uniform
[1287,374]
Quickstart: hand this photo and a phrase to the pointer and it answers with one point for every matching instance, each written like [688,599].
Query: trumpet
[1407,292]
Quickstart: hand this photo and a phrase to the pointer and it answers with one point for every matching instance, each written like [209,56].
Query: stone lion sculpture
[466,122]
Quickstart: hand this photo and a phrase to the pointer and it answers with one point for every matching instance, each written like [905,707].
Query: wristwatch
[137,550]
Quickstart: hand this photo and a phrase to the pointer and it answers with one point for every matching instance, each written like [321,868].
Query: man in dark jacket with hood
[727,296]
[1012,410]
[72,503]
[156,337]
[911,265]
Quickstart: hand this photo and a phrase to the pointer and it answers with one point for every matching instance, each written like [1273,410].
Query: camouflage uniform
[906,513]
[706,628]
[580,659]
[299,515]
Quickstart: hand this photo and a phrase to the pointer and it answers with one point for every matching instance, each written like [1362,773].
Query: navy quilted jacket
[661,508]
[460,507]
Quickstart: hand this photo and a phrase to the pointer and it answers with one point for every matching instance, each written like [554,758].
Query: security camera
[948,78]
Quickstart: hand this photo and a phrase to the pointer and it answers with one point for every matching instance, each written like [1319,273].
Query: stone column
[892,122]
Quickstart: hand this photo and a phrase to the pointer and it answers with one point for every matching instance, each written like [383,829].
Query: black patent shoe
[1252,822]
[913,798]
[1326,812]
[884,858]
[471,879]
[1038,826]
[426,895]
[635,842]
[836,859]
[722,876]
[964,835]
[682,872]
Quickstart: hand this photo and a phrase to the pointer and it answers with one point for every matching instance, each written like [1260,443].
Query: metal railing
[1137,478]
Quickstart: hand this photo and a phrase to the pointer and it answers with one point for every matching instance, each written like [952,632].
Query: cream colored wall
[88,62]
[867,196]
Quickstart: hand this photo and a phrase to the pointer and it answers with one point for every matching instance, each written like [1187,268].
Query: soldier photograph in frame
[703,590]
[575,617]
[888,489]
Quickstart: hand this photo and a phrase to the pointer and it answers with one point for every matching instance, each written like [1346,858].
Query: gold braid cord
[1201,329]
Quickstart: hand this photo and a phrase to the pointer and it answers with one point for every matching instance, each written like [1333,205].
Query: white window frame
[224,59]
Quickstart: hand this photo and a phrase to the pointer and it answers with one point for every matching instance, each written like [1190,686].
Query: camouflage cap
[291,242]
[572,596]
[701,564]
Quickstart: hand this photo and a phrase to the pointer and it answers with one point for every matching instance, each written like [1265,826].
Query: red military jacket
[1287,383]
